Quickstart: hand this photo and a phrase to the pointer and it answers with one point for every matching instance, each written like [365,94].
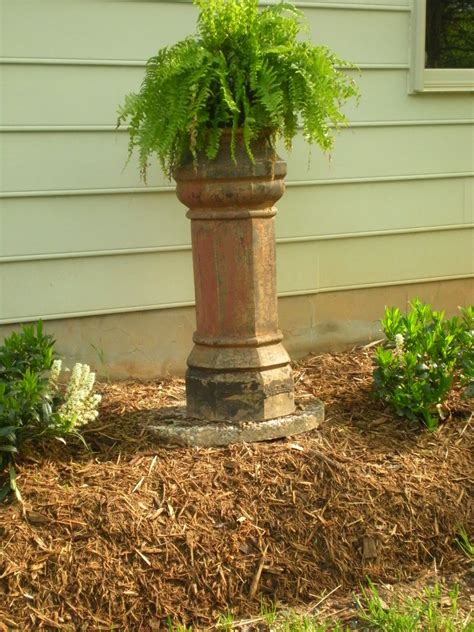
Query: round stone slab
[208,434]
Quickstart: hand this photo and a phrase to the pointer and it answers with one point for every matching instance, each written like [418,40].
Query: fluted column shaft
[238,368]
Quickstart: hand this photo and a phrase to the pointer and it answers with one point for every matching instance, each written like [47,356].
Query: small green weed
[304,623]
[412,614]
[225,622]
[464,543]
[102,358]
[179,627]
[268,612]
[422,357]
[432,612]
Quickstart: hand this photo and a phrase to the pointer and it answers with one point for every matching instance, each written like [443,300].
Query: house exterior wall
[89,248]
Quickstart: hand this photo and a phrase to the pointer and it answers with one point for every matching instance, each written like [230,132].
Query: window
[449,34]
[442,46]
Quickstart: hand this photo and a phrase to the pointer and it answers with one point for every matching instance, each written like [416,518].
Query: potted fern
[212,109]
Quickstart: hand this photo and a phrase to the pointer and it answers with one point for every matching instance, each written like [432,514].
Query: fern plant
[244,70]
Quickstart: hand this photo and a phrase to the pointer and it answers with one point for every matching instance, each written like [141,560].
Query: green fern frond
[245,69]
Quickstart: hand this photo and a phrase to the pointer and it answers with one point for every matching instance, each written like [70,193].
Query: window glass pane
[449,34]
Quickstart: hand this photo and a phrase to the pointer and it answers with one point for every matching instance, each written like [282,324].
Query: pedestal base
[249,395]
[202,433]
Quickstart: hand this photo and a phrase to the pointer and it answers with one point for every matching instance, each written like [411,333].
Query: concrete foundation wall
[154,343]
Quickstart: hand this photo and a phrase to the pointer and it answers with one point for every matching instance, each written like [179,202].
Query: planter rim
[190,167]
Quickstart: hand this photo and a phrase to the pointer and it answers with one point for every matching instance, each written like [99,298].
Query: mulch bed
[130,533]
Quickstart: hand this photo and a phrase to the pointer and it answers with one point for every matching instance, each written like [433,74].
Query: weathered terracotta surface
[238,369]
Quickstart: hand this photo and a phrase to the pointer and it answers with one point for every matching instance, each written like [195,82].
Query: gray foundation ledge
[181,431]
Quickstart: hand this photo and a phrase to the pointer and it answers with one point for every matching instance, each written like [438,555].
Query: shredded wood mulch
[129,534]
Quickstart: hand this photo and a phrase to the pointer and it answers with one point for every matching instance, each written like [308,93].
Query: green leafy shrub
[466,359]
[423,355]
[243,70]
[30,349]
[32,403]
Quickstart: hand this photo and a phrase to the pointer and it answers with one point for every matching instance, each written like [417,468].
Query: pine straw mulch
[131,533]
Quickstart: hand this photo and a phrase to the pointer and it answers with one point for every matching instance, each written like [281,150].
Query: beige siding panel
[43,288]
[91,223]
[82,224]
[93,30]
[35,95]
[141,28]
[65,95]
[372,4]
[376,206]
[337,4]
[94,160]
[362,36]
[72,287]
[307,267]
[387,152]
[384,97]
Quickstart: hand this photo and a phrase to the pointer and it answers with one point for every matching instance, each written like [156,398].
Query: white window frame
[432,79]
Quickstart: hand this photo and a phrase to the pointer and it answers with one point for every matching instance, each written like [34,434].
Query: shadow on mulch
[131,533]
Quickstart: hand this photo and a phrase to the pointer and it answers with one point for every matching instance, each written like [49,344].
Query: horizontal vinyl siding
[136,30]
[60,96]
[365,262]
[85,225]
[77,234]
[83,286]
[95,160]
